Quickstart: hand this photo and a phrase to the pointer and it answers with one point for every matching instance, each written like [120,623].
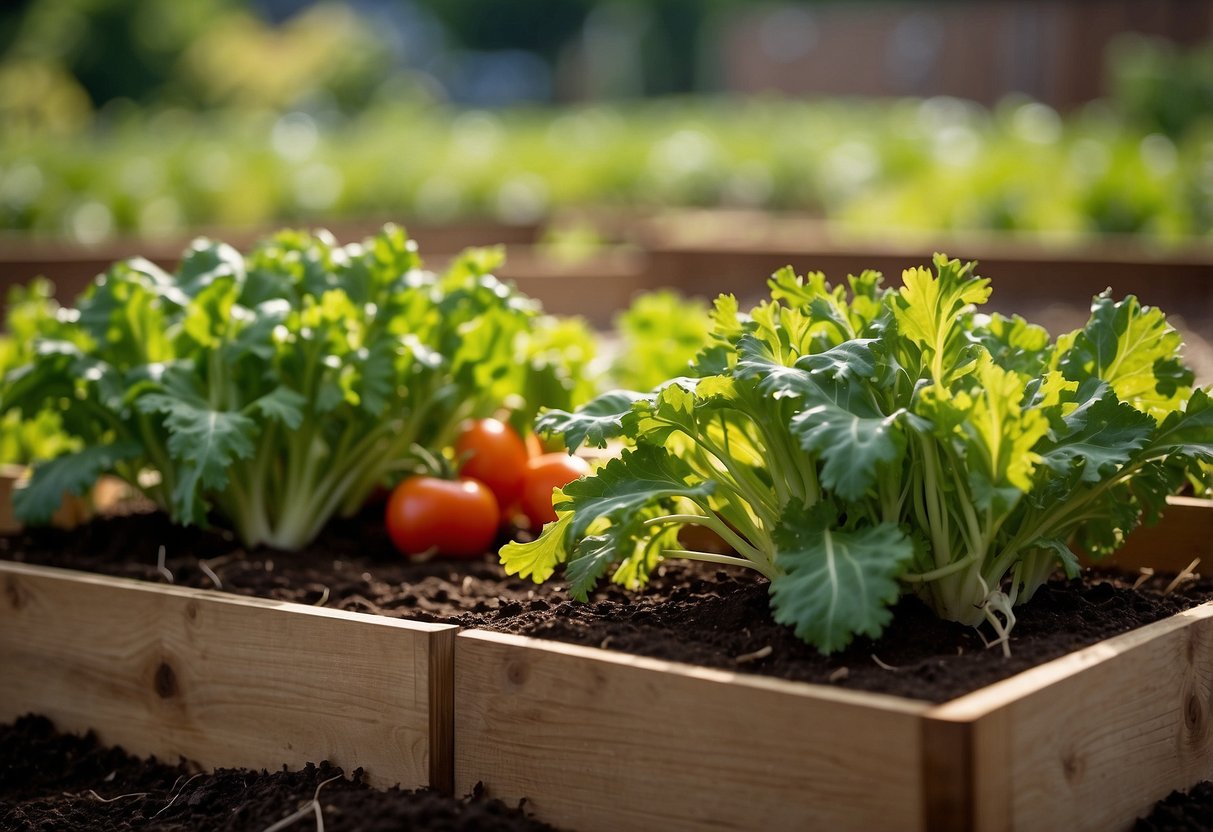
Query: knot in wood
[165,681]
[516,673]
[191,610]
[1073,765]
[14,593]
[1194,714]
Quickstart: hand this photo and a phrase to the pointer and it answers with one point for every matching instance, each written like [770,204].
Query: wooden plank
[9,476]
[597,288]
[1092,740]
[1183,533]
[71,266]
[947,775]
[708,252]
[224,680]
[603,741]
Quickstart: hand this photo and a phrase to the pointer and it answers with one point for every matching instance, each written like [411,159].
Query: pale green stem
[936,516]
[746,501]
[711,558]
[715,524]
[973,526]
[942,572]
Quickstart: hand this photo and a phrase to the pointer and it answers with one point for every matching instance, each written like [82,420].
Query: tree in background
[199,53]
[114,48]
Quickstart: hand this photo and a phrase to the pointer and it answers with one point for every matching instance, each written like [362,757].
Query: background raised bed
[705,253]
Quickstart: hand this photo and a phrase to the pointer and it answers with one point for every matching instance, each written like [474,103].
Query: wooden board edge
[93,579]
[802,234]
[964,773]
[980,703]
[947,775]
[442,709]
[805,690]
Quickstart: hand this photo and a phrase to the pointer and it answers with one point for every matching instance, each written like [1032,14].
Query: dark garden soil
[52,781]
[691,613]
[1181,812]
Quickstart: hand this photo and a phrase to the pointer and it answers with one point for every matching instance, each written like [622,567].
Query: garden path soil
[691,613]
[52,781]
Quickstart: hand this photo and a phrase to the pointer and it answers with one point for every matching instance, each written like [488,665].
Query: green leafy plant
[1021,168]
[1159,85]
[659,336]
[561,354]
[274,389]
[35,436]
[853,443]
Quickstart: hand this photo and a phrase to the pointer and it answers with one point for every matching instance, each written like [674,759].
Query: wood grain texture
[224,680]
[1091,740]
[602,741]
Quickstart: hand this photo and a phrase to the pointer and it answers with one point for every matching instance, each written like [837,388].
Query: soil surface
[52,781]
[689,612]
[1181,812]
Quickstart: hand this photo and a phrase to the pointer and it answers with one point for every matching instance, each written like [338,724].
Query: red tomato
[543,474]
[495,454]
[456,518]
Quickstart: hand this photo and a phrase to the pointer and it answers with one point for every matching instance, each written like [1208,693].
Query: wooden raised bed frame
[597,740]
[224,680]
[706,252]
[713,251]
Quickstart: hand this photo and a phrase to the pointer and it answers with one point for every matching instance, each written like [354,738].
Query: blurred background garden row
[155,118]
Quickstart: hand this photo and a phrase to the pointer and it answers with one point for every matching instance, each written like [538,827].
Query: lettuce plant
[276,389]
[659,336]
[853,443]
[35,436]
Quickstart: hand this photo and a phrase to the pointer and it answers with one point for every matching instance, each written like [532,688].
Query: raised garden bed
[224,680]
[594,738]
[595,287]
[708,252]
[598,740]
[1123,712]
[70,266]
[1089,740]
[1184,532]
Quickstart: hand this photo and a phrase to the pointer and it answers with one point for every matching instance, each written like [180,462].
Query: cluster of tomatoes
[499,480]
